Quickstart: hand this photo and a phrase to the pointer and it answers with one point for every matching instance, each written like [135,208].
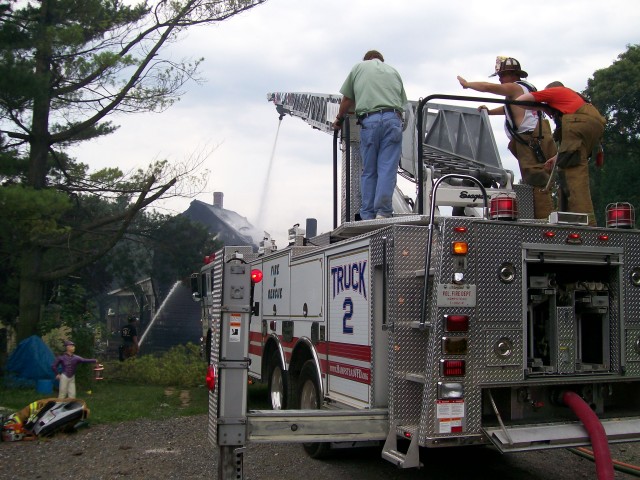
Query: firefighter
[129,334]
[579,129]
[530,138]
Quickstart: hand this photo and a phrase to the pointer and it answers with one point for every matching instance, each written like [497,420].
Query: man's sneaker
[382,215]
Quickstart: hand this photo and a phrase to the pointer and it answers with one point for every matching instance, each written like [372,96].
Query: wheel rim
[308,396]
[277,389]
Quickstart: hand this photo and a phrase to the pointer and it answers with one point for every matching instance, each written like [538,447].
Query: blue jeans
[380,148]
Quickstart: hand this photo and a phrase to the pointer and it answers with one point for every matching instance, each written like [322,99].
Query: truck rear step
[536,437]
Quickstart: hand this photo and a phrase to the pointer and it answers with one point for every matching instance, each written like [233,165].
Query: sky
[277,174]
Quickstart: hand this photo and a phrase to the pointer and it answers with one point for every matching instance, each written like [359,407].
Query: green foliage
[66,66]
[614,91]
[179,245]
[181,366]
[28,215]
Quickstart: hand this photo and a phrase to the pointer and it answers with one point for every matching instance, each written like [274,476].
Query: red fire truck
[484,328]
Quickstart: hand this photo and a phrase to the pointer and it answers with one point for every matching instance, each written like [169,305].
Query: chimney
[218,199]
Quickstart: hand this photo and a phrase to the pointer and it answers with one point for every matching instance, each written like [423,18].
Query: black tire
[277,383]
[309,398]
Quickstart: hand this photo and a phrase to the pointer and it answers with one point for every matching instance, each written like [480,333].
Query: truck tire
[309,399]
[277,383]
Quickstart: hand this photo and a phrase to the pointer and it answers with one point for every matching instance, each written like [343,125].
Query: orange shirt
[561,98]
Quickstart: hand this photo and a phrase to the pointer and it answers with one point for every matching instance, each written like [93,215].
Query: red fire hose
[601,453]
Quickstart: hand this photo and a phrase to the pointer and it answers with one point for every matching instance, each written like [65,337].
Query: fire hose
[601,453]
[617,464]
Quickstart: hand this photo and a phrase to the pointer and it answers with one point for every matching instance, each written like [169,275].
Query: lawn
[110,402]
[168,386]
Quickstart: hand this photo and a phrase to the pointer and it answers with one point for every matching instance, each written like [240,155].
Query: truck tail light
[210,379]
[454,345]
[620,215]
[452,368]
[456,323]
[503,207]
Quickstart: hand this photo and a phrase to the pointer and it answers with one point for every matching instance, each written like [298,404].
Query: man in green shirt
[376,91]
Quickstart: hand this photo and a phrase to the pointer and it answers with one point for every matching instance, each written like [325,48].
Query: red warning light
[256,275]
[211,378]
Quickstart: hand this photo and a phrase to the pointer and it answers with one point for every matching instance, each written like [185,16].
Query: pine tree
[65,66]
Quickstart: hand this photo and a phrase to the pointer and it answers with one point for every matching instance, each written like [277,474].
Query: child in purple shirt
[69,362]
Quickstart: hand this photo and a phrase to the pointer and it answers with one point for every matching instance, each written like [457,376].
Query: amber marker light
[459,248]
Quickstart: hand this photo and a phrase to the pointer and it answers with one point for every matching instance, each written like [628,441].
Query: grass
[111,402]
[146,387]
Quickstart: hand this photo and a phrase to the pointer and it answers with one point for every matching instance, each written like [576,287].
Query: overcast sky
[310,46]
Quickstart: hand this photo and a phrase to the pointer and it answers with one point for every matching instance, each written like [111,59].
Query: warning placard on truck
[235,323]
[450,415]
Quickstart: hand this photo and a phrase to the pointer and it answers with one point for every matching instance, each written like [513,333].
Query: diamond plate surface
[631,293]
[513,362]
[524,194]
[565,354]
[405,257]
[215,315]
[355,164]
[632,345]
[500,313]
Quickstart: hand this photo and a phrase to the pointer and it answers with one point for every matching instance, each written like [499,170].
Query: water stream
[267,179]
[153,320]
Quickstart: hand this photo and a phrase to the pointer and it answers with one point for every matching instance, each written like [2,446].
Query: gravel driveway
[179,449]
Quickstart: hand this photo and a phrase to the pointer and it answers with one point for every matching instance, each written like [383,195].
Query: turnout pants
[532,169]
[581,133]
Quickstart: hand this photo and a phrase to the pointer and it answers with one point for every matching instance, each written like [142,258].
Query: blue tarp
[30,361]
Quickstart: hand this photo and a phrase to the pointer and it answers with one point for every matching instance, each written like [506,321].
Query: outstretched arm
[505,89]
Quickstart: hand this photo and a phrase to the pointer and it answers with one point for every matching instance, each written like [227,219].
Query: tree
[65,65]
[614,91]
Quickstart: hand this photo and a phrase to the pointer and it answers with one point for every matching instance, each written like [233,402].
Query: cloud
[309,46]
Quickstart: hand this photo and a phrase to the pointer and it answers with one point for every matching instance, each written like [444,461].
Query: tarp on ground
[29,362]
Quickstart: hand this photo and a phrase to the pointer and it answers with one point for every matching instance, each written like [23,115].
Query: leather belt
[383,110]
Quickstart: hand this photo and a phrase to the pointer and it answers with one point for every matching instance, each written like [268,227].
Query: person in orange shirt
[579,129]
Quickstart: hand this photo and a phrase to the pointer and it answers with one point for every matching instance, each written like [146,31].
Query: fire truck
[459,321]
